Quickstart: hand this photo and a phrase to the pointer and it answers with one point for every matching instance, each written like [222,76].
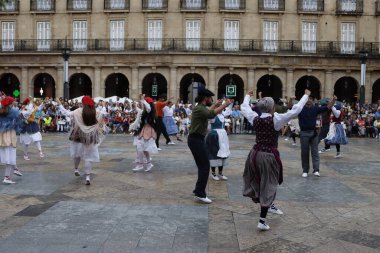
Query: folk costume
[217,144]
[85,140]
[336,135]
[263,169]
[10,125]
[30,132]
[145,136]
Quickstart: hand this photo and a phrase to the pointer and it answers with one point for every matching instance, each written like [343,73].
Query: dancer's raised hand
[250,93]
[307,92]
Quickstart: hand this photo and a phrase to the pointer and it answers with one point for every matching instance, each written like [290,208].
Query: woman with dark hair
[87,132]
[196,139]
[10,125]
[263,168]
[145,135]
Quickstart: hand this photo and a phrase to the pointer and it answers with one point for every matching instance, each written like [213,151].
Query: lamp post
[66,56]
[363,55]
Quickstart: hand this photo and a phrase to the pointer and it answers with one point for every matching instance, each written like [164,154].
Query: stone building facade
[128,47]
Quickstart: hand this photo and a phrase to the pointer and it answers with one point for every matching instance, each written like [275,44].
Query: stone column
[211,80]
[59,83]
[329,86]
[173,84]
[135,82]
[97,84]
[368,88]
[24,91]
[251,81]
[290,89]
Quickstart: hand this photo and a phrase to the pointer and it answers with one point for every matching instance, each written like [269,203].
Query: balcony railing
[193,5]
[154,5]
[232,5]
[42,5]
[349,7]
[271,5]
[79,5]
[281,47]
[116,5]
[10,7]
[310,6]
[377,11]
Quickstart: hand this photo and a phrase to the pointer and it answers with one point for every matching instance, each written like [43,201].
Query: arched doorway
[44,86]
[231,80]
[154,81]
[117,85]
[308,82]
[80,85]
[376,92]
[189,87]
[346,89]
[10,85]
[270,86]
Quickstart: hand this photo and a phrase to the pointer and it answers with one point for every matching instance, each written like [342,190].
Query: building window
[348,5]
[44,5]
[231,35]
[348,32]
[270,36]
[43,36]
[155,4]
[271,4]
[117,4]
[9,5]
[80,4]
[196,4]
[309,37]
[310,5]
[154,34]
[80,35]
[8,36]
[232,4]
[193,34]
[117,35]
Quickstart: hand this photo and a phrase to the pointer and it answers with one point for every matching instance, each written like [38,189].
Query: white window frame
[80,35]
[155,4]
[271,4]
[8,31]
[348,5]
[117,35]
[193,34]
[80,4]
[43,36]
[44,5]
[232,4]
[117,4]
[155,34]
[194,4]
[231,35]
[348,37]
[270,36]
[10,6]
[310,5]
[309,37]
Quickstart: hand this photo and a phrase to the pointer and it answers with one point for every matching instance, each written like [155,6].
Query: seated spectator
[47,124]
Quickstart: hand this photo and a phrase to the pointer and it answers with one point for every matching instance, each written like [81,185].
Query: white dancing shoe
[138,168]
[324,150]
[42,155]
[17,172]
[215,177]
[88,180]
[304,174]
[204,200]
[170,143]
[159,149]
[275,210]
[77,173]
[316,173]
[263,226]
[149,166]
[8,180]
[26,157]
[222,177]
[338,155]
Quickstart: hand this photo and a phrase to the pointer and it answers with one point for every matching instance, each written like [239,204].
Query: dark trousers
[309,144]
[197,146]
[160,128]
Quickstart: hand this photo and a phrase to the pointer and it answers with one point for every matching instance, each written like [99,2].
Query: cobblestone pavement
[50,210]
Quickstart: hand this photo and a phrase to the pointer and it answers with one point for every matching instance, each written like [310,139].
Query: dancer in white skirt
[168,120]
[87,132]
[336,135]
[10,124]
[145,136]
[30,132]
[217,143]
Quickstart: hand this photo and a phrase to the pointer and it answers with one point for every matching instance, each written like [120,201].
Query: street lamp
[363,55]
[66,56]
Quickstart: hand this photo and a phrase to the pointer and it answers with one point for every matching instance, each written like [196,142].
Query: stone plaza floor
[50,210]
